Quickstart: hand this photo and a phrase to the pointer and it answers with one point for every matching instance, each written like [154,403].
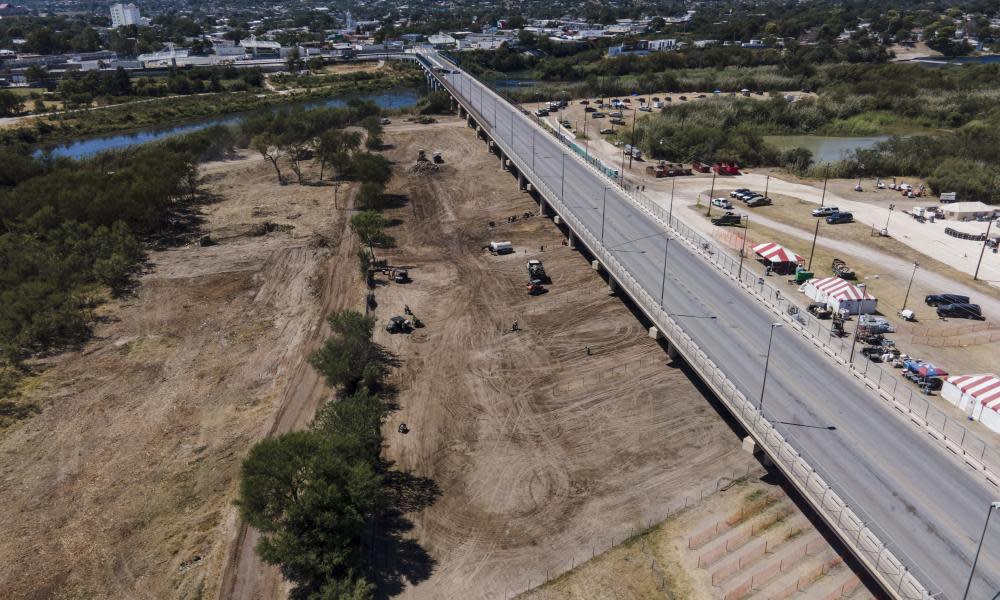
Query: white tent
[977,396]
[840,295]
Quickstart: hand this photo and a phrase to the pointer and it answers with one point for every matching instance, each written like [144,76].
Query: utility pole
[907,296]
[633,138]
[983,250]
[767,185]
[670,218]
[826,177]
[743,248]
[891,208]
[710,195]
[663,282]
[813,249]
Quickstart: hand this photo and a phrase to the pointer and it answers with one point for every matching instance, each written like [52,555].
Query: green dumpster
[803,276]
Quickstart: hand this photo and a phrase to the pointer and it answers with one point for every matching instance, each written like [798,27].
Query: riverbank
[45,131]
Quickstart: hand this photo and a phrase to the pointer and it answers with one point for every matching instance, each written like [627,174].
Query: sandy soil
[917,50]
[541,452]
[710,547]
[121,486]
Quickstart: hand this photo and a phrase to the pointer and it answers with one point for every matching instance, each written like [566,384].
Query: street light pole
[907,296]
[767,361]
[562,177]
[826,177]
[767,185]
[604,208]
[663,282]
[983,250]
[989,511]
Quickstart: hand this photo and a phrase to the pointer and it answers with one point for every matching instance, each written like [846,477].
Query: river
[824,148]
[390,99]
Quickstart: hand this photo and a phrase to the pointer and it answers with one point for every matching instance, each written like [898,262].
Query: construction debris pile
[424,166]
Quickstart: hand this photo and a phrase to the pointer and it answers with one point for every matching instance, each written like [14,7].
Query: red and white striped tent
[776,253]
[977,395]
[840,295]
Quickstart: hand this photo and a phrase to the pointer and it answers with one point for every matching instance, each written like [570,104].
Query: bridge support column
[671,351]
[522,183]
[595,265]
[749,445]
[503,161]
[557,220]
[654,333]
[543,208]
[572,240]
[612,285]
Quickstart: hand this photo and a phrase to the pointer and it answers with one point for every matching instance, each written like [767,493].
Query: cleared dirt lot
[121,486]
[542,454]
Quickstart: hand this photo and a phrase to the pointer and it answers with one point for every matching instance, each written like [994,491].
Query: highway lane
[915,494]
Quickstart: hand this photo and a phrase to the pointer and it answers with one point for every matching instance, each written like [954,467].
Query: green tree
[349,359]
[311,501]
[370,226]
[10,103]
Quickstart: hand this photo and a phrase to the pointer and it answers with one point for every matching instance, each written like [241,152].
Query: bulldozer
[438,157]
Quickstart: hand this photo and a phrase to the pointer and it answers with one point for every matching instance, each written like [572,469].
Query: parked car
[736,193]
[728,219]
[939,299]
[744,196]
[721,203]
[758,201]
[590,109]
[961,311]
[607,130]
[825,211]
[597,115]
[542,112]
[840,217]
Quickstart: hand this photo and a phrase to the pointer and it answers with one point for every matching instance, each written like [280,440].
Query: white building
[125,14]
[657,45]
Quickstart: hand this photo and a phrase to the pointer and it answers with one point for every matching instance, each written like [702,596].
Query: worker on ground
[514,327]
[406,309]
[588,351]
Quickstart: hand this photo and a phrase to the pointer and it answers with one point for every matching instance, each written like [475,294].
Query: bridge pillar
[572,240]
[503,161]
[612,285]
[749,445]
[671,351]
[543,208]
[557,220]
[595,265]
[522,183]
[654,333]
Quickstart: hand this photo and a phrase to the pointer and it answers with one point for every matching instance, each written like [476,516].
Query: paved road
[922,501]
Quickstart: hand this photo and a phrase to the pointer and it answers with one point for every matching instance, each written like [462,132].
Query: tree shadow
[394,201]
[398,560]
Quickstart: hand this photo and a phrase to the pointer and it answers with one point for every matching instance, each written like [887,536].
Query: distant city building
[261,47]
[10,10]
[441,40]
[125,14]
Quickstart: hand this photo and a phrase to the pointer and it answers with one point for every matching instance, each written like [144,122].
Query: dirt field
[746,533]
[542,453]
[121,486]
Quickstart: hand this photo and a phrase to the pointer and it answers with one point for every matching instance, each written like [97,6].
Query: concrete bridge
[911,511]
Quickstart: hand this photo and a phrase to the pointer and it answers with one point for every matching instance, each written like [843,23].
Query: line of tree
[314,495]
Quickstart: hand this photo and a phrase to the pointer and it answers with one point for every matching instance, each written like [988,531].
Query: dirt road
[541,452]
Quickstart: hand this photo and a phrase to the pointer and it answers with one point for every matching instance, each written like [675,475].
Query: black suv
[939,299]
[961,311]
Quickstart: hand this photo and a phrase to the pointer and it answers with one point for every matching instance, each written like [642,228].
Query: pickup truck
[728,219]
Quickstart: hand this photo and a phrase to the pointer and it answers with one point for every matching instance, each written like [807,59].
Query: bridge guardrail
[863,541]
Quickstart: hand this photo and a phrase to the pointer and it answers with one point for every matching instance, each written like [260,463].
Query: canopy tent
[778,258]
[776,253]
[839,295]
[977,396]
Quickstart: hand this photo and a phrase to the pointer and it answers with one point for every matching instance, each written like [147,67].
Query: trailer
[700,167]
[726,168]
[501,248]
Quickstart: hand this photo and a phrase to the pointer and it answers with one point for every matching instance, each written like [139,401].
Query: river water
[824,148]
[390,99]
